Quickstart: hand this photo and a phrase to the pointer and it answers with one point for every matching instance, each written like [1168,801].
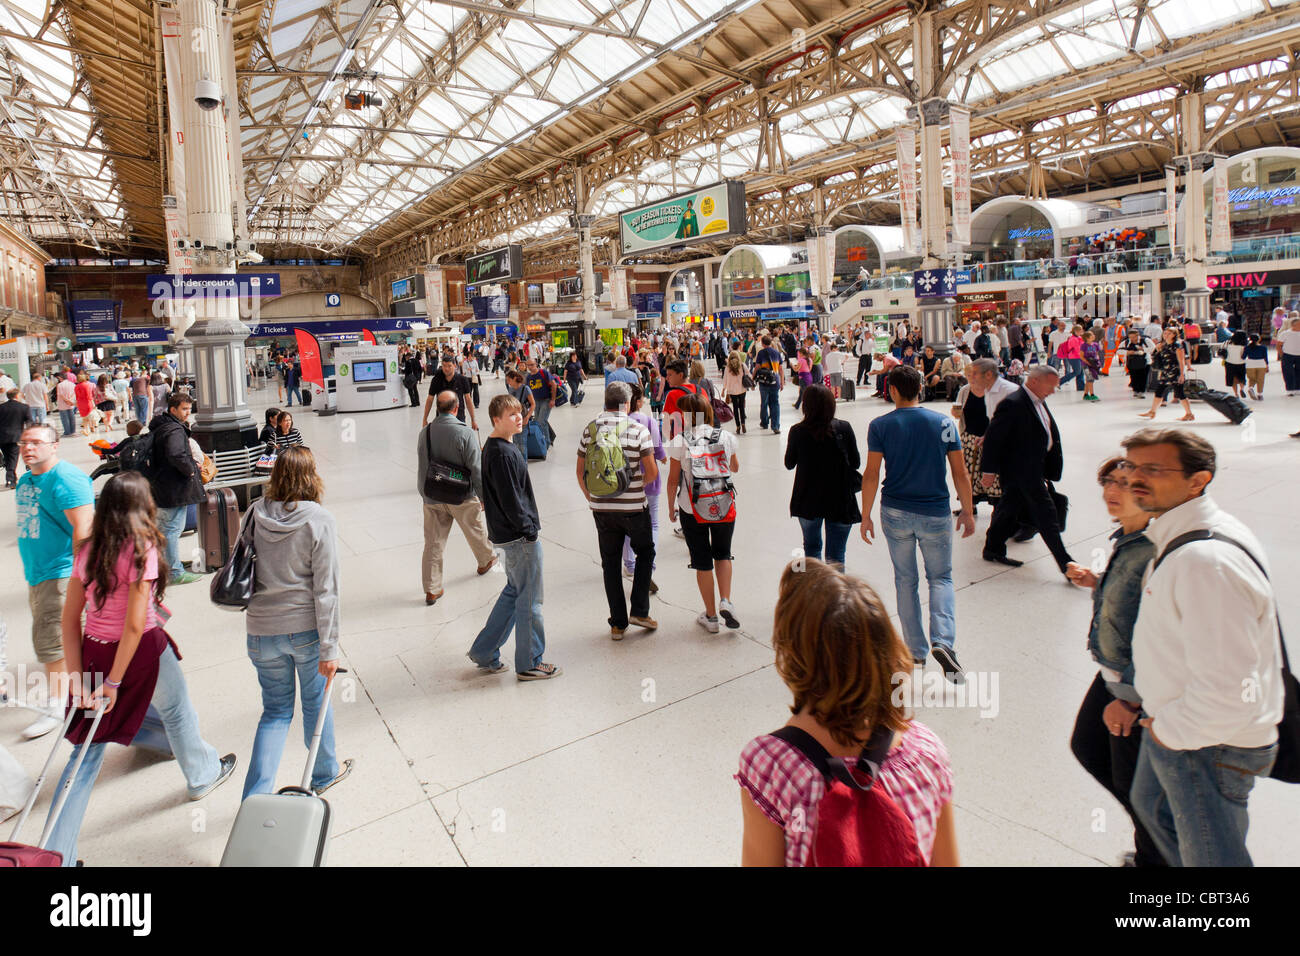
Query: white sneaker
[679,532]
[52,720]
[710,624]
[728,612]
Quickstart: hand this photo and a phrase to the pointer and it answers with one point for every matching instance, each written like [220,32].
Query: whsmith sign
[711,213]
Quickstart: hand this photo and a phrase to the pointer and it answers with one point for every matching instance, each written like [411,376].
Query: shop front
[978,306]
[1095,299]
[1242,294]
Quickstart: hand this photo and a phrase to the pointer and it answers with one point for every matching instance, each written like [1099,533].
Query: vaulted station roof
[466,106]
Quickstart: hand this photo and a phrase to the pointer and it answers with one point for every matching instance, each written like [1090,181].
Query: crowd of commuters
[1182,606]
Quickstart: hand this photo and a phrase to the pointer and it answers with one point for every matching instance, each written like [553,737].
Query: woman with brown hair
[105,400]
[843,661]
[293,617]
[706,503]
[131,661]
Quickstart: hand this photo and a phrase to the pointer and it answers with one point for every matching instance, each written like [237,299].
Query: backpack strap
[1205,534]
[836,768]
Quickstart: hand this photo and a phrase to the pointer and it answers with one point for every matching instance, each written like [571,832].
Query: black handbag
[444,483]
[1061,503]
[233,585]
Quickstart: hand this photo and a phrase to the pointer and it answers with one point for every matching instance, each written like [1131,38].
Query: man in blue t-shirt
[55,508]
[914,442]
[544,387]
[769,373]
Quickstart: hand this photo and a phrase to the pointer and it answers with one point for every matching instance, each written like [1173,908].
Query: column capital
[933,112]
[1202,160]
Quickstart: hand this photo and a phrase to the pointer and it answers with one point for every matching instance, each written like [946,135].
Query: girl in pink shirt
[121,659]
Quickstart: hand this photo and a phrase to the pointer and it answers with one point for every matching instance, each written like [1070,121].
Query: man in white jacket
[1206,657]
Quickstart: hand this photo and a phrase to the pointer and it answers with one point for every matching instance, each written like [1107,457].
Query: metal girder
[1057,144]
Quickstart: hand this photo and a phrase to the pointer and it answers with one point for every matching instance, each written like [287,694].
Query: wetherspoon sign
[705,214]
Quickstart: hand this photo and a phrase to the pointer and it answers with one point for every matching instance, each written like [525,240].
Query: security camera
[252,257]
[207,95]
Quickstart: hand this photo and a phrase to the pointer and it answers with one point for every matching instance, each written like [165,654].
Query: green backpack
[608,472]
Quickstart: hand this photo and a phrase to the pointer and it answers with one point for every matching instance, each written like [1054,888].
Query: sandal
[342,774]
[1189,417]
[540,672]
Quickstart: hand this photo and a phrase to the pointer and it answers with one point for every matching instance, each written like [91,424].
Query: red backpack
[858,824]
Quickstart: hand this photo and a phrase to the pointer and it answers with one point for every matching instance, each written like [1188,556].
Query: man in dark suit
[15,415]
[1023,447]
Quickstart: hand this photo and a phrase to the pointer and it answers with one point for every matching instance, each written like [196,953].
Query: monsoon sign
[710,213]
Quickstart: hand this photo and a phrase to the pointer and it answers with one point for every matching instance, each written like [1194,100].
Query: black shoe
[1025,534]
[948,661]
[1002,559]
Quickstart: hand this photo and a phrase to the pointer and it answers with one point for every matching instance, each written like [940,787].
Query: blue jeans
[1193,802]
[141,408]
[68,416]
[171,522]
[276,657]
[292,391]
[629,559]
[543,412]
[519,607]
[903,531]
[837,537]
[197,758]
[38,414]
[1074,370]
[769,406]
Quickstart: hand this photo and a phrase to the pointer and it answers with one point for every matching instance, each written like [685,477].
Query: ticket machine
[368,377]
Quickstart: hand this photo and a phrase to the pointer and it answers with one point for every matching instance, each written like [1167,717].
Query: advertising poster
[1171,207]
[1220,232]
[710,213]
[907,186]
[434,302]
[959,149]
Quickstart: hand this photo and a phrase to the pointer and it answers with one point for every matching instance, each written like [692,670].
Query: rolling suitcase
[13,853]
[848,389]
[288,828]
[537,444]
[218,526]
[1201,354]
[1229,406]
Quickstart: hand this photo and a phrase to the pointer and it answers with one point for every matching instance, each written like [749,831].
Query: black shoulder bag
[233,585]
[444,483]
[1287,765]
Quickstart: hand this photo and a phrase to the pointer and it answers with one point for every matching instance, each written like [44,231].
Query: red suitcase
[218,527]
[13,853]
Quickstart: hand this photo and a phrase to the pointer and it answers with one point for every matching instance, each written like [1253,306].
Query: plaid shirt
[785,785]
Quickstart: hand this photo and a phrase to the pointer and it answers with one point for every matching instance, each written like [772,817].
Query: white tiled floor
[627,757]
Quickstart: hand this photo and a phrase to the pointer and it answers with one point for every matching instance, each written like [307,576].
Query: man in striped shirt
[623,515]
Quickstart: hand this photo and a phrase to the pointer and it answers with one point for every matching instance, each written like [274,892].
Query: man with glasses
[1206,657]
[1022,447]
[55,508]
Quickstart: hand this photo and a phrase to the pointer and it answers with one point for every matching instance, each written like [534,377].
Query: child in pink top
[838,654]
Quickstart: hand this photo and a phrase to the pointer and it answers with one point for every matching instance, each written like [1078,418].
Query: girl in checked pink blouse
[838,653]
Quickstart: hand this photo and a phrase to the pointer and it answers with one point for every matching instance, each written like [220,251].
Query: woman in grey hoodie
[293,618]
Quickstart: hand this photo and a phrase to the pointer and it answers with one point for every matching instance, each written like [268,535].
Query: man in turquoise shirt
[55,508]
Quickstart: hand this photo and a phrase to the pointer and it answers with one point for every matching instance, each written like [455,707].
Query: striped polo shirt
[636,445]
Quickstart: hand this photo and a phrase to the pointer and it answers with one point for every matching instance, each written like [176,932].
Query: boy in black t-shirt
[513,525]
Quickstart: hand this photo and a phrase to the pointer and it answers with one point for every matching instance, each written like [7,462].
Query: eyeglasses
[1146,471]
[1109,482]
[32,444]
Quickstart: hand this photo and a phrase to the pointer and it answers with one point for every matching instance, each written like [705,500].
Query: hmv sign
[1253,280]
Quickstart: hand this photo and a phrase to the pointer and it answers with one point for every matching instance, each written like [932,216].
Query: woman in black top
[268,435]
[823,452]
[1169,362]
